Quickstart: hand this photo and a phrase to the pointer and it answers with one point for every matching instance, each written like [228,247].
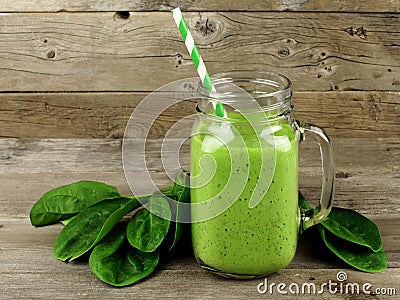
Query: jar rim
[280,82]
[249,93]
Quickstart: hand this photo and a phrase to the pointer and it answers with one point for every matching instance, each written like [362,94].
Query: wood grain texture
[104,52]
[30,257]
[200,5]
[352,155]
[367,180]
[192,284]
[105,115]
[41,239]
[367,171]
[372,196]
[70,79]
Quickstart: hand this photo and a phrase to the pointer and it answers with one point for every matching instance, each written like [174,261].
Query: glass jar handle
[318,214]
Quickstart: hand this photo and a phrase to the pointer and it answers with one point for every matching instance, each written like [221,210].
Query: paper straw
[196,58]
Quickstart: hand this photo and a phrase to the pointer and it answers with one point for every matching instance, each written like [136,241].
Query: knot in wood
[50,54]
[205,27]
[361,32]
[124,15]
[178,60]
[284,51]
[342,174]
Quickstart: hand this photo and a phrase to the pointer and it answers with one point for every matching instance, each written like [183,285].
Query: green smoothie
[243,240]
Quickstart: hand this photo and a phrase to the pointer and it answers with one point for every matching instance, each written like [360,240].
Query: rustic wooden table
[367,179]
[72,72]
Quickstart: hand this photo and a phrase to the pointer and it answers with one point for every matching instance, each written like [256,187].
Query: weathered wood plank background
[200,5]
[367,180]
[72,72]
[105,51]
[105,115]
[354,55]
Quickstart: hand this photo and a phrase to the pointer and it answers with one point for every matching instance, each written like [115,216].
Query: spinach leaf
[109,244]
[303,202]
[353,227]
[66,201]
[116,263]
[359,257]
[90,226]
[182,191]
[169,192]
[149,226]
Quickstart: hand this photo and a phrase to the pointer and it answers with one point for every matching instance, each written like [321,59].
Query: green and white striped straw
[197,60]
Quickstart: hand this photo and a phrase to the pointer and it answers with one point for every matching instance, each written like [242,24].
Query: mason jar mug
[244,175]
